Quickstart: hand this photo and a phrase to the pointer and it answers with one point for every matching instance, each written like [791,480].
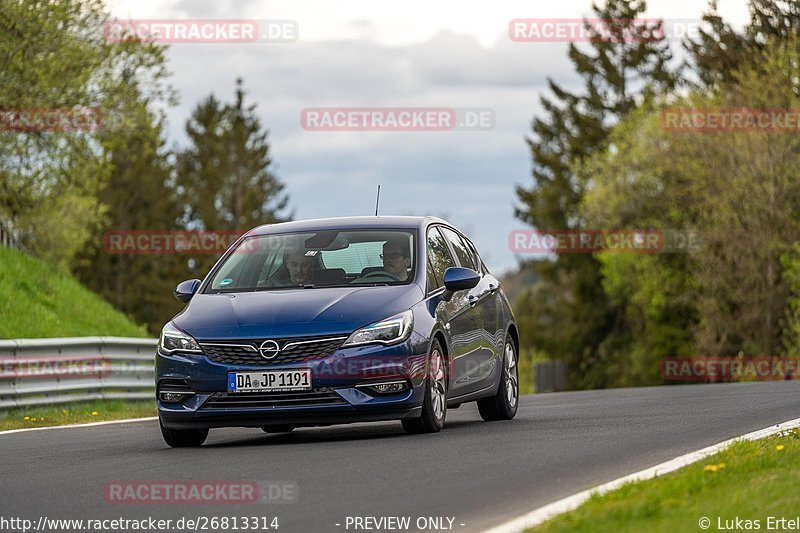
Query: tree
[225,179]
[751,209]
[620,71]
[53,56]
[739,189]
[61,190]
[644,183]
[138,198]
[719,49]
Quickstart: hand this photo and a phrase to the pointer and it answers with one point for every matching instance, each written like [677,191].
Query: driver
[298,269]
[301,267]
[395,258]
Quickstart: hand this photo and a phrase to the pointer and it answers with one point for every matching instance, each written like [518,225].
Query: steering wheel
[378,273]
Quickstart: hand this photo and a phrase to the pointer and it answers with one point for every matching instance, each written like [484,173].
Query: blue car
[339,320]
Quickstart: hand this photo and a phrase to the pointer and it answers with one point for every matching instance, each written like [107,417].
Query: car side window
[439,259]
[433,283]
[474,251]
[465,257]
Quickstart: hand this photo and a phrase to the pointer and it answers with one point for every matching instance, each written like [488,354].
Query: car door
[477,365]
[461,320]
[491,308]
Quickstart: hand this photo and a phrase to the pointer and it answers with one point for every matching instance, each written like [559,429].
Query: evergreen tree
[720,50]
[225,179]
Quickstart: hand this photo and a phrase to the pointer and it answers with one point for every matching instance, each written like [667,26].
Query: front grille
[320,396]
[292,350]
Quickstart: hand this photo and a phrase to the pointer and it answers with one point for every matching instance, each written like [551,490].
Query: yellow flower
[780,447]
[710,468]
[27,418]
[33,419]
[94,413]
[721,466]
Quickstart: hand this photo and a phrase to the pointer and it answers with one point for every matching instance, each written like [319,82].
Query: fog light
[386,387]
[174,397]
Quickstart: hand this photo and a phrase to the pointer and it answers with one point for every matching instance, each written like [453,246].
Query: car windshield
[329,258]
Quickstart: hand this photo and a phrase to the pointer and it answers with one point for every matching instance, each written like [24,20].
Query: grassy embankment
[752,480]
[37,301]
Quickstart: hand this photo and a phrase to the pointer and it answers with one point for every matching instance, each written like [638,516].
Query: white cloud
[402,22]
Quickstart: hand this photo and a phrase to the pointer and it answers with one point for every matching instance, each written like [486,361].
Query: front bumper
[334,378]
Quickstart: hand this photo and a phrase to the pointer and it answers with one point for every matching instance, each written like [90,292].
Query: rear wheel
[503,405]
[183,438]
[285,428]
[434,406]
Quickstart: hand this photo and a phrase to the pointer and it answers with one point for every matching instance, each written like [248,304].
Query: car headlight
[388,331]
[174,340]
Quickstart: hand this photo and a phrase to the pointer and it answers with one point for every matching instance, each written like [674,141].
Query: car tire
[503,405]
[183,438]
[284,428]
[434,406]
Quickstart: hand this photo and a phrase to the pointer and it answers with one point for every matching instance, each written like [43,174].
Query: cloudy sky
[368,53]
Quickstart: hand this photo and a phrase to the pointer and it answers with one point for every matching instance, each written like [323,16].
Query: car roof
[343,223]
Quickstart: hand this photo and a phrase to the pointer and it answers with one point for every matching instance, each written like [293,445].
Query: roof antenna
[377,200]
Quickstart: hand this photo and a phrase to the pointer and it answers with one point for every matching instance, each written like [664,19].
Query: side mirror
[458,279]
[185,290]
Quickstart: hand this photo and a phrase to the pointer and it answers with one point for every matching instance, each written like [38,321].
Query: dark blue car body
[473,327]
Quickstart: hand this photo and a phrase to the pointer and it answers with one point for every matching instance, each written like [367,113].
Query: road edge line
[570,503]
[86,425]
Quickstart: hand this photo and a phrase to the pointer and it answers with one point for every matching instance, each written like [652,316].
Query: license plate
[270,380]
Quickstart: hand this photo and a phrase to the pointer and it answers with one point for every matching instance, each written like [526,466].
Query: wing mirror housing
[185,290]
[458,279]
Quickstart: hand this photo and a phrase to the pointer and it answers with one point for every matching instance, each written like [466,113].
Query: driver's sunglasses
[394,256]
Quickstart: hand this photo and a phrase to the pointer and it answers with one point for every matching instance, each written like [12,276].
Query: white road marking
[87,425]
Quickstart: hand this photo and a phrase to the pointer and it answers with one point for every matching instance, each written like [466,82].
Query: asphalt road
[479,474]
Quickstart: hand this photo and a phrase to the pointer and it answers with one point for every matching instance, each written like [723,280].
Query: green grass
[79,413]
[38,301]
[749,480]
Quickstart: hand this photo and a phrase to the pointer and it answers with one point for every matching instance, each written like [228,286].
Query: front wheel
[183,438]
[434,406]
[503,405]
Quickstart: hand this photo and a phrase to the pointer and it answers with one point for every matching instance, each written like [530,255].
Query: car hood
[292,312]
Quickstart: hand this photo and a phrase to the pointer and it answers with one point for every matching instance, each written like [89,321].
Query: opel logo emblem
[269,349]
